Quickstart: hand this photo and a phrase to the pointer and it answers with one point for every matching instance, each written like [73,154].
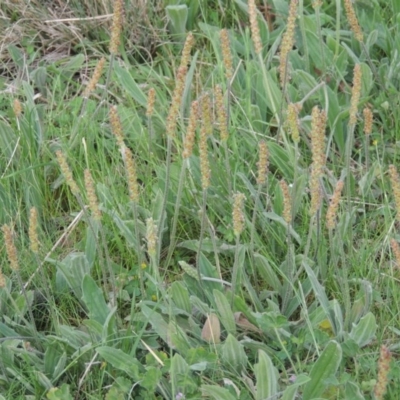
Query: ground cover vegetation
[199,199]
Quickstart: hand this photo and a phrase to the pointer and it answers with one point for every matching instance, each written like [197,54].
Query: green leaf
[179,368]
[364,331]
[177,16]
[225,312]
[266,377]
[180,296]
[120,360]
[290,392]
[325,367]
[93,297]
[61,393]
[319,292]
[217,392]
[353,392]
[128,83]
[233,354]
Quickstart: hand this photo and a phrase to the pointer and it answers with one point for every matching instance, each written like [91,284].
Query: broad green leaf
[179,368]
[128,83]
[120,360]
[72,271]
[217,392]
[353,392]
[180,296]
[233,354]
[266,377]
[61,393]
[325,367]
[177,16]
[364,331]
[319,292]
[290,392]
[93,298]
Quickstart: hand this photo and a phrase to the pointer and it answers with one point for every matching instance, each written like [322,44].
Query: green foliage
[285,308]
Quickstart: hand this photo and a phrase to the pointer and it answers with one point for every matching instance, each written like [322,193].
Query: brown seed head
[293,121]
[221,112]
[355,94]
[204,162]
[67,172]
[237,213]
[33,235]
[287,43]
[318,125]
[11,250]
[263,163]
[353,21]
[315,189]
[2,280]
[151,98]
[396,251]
[395,181]
[287,202]
[116,26]
[116,126]
[92,197]
[95,78]
[17,108]
[151,237]
[334,205]
[189,42]
[206,113]
[368,117]
[191,130]
[383,372]
[255,30]
[226,54]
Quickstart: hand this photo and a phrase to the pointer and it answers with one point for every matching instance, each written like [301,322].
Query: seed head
[33,235]
[116,26]
[226,54]
[368,117]
[355,94]
[287,202]
[151,98]
[293,121]
[255,30]
[383,372]
[396,251]
[333,206]
[353,21]
[11,250]
[395,181]
[95,78]
[221,112]
[237,213]
[263,163]
[116,126]
[92,197]
[204,162]
[67,172]
[287,42]
[151,237]
[17,108]
[191,130]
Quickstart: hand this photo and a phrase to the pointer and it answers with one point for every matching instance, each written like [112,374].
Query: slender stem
[27,303]
[165,199]
[140,254]
[235,270]
[202,229]
[367,162]
[172,242]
